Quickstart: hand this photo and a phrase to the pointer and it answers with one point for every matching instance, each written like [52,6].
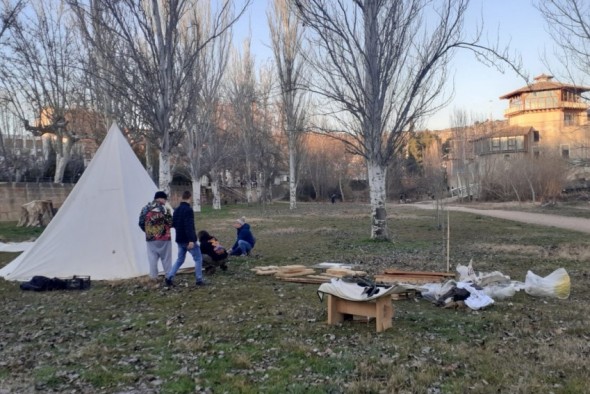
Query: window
[540,100]
[565,151]
[512,143]
[504,143]
[516,102]
[570,96]
[495,144]
[569,119]
[536,136]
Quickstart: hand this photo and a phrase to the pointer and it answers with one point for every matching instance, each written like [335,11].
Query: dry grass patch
[524,250]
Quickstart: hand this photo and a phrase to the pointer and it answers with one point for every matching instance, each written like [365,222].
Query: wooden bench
[381,309]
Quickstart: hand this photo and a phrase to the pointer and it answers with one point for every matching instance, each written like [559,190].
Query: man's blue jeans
[197,257]
[243,248]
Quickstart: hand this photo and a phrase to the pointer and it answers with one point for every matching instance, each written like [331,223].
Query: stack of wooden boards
[303,274]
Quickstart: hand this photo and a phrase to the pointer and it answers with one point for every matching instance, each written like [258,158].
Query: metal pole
[448,239]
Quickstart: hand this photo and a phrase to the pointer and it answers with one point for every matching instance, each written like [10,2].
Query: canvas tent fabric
[96,231]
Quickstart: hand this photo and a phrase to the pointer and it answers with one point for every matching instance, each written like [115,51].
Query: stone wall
[13,195]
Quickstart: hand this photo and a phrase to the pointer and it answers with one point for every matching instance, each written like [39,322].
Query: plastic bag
[557,284]
[501,292]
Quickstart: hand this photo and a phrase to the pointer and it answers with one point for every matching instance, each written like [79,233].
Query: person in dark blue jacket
[183,221]
[245,242]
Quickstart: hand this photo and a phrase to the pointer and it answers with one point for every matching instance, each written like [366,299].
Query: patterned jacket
[155,220]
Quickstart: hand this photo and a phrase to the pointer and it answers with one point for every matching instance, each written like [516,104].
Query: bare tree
[243,99]
[325,166]
[150,67]
[41,75]
[9,11]
[568,22]
[381,66]
[205,149]
[268,153]
[15,158]
[286,35]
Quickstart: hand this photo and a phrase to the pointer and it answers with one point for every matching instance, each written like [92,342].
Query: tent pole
[448,239]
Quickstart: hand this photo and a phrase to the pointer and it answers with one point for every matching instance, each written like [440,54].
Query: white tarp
[354,292]
[15,246]
[96,231]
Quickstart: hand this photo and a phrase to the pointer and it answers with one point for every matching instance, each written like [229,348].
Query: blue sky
[477,87]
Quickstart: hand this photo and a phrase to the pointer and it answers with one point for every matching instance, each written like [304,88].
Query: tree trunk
[260,186]
[165,174]
[377,175]
[249,197]
[63,153]
[37,213]
[196,194]
[216,194]
[292,180]
[149,160]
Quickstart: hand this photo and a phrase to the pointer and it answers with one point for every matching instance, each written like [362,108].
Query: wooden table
[380,308]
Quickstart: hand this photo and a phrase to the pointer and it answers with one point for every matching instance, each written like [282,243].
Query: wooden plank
[302,272]
[304,279]
[390,271]
[266,272]
[323,277]
[406,279]
[340,272]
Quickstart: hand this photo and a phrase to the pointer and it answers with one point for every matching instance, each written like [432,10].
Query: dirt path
[565,222]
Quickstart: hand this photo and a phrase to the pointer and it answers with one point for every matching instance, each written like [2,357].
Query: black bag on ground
[43,283]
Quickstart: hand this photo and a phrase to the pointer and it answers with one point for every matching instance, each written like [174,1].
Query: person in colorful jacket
[155,220]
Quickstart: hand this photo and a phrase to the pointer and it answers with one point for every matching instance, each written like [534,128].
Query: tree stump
[36,213]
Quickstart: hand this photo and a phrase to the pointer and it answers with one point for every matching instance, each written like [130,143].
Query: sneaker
[200,283]
[169,282]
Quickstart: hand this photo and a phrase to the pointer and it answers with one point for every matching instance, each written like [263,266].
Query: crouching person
[214,254]
[245,239]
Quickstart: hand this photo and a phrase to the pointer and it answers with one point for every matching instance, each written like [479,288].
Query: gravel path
[565,222]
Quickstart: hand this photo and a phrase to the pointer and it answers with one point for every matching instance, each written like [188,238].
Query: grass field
[252,334]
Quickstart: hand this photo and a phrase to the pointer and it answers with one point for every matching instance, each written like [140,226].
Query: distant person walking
[183,222]
[155,220]
[245,239]
[333,198]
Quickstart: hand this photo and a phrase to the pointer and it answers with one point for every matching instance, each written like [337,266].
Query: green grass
[253,334]
[10,233]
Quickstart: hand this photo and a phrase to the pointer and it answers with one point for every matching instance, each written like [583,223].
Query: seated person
[214,254]
[245,242]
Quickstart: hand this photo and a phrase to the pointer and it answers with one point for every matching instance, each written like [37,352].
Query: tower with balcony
[557,113]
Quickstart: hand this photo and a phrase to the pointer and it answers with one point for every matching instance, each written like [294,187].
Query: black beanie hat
[160,194]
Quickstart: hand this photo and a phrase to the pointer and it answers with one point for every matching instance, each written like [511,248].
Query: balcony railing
[561,104]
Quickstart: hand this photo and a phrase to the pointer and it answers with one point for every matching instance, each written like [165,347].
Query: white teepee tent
[96,231]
